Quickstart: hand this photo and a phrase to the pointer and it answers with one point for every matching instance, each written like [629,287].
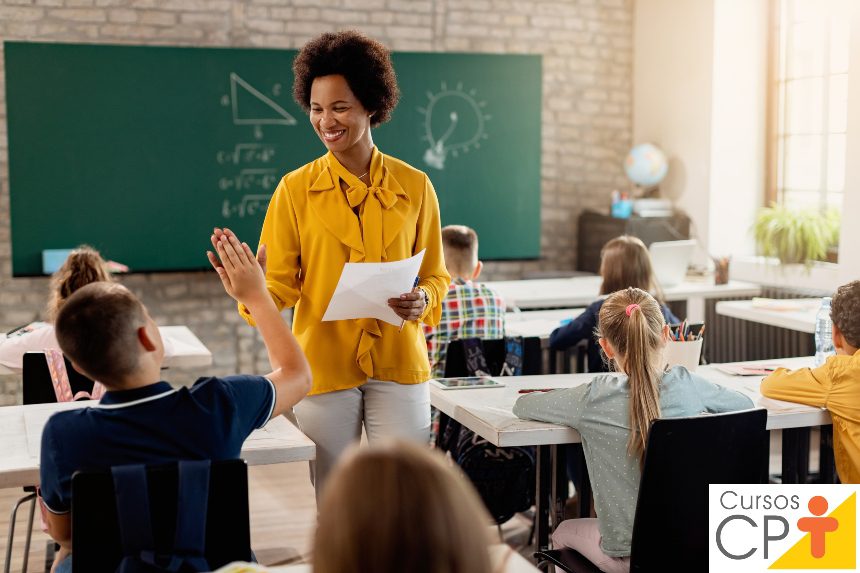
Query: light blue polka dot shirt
[600,410]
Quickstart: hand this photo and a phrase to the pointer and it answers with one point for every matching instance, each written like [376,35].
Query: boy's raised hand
[240,271]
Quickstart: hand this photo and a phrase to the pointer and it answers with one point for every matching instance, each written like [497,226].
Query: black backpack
[503,477]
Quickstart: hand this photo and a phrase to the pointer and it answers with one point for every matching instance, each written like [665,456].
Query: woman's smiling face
[336,114]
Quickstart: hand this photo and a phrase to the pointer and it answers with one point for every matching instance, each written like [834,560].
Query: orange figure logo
[817,526]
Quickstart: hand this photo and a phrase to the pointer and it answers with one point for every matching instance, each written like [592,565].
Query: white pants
[584,536]
[388,410]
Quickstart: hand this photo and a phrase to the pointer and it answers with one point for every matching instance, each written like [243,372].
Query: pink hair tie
[630,308]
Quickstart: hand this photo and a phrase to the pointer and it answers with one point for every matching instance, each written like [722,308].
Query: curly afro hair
[362,61]
[844,310]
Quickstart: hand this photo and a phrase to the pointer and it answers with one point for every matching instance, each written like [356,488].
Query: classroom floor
[283,514]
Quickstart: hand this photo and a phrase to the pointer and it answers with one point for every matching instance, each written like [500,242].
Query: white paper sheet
[364,289]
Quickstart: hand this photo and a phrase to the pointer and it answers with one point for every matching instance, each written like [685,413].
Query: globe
[646,165]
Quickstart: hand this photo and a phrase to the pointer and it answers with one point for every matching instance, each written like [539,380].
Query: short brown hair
[83,266]
[362,61]
[400,507]
[624,263]
[460,245]
[845,312]
[97,330]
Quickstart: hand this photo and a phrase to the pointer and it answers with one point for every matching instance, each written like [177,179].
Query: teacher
[354,204]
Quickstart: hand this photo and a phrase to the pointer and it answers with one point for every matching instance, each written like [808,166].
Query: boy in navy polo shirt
[108,335]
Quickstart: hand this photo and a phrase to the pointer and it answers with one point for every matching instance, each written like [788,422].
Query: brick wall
[587,72]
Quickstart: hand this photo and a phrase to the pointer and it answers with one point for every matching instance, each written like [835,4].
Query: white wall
[672,96]
[849,241]
[738,114]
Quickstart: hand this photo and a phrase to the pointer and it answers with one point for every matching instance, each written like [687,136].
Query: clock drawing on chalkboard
[252,107]
[454,123]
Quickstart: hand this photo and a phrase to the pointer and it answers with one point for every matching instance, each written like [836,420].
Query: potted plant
[796,236]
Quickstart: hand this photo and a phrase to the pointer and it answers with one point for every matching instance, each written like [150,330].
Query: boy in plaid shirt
[470,310]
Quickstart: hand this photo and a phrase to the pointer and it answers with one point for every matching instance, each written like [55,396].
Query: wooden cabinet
[595,229]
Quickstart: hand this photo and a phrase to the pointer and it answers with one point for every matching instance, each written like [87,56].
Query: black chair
[96,539]
[38,387]
[494,354]
[683,456]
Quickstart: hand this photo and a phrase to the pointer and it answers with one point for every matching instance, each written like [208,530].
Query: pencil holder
[683,353]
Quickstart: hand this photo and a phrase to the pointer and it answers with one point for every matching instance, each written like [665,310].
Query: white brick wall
[586,47]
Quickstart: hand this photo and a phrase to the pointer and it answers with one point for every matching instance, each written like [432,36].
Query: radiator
[734,340]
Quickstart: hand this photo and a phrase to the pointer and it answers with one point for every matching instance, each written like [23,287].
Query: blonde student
[83,266]
[613,414]
[834,385]
[470,309]
[400,507]
[624,262]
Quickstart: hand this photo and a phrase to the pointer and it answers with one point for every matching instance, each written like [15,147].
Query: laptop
[670,260]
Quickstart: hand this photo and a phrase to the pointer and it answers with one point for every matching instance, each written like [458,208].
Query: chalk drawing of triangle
[252,107]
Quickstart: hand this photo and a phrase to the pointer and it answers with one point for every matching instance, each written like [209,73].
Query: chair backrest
[682,457]
[38,388]
[96,539]
[494,353]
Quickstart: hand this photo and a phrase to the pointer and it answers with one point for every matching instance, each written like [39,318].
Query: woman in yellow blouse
[354,204]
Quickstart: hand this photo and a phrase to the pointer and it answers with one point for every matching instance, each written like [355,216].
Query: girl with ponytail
[613,414]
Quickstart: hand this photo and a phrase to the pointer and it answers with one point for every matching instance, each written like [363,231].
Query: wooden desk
[21,437]
[182,349]
[798,314]
[488,413]
[582,291]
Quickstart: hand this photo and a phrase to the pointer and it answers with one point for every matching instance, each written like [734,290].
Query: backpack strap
[476,363]
[513,365]
[193,501]
[132,508]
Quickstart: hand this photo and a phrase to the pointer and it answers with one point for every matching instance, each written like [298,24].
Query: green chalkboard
[140,151]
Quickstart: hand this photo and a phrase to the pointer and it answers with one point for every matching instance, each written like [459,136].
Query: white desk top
[538,323]
[794,314]
[582,291]
[487,411]
[21,437]
[513,563]
[182,349]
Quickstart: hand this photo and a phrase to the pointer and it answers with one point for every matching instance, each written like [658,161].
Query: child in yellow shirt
[834,385]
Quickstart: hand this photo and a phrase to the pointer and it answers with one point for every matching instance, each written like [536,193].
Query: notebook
[670,260]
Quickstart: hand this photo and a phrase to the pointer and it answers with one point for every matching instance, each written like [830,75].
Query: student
[83,266]
[624,262]
[613,414]
[834,385]
[469,309]
[108,335]
[400,507]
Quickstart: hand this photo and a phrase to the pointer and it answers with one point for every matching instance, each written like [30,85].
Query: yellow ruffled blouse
[311,230]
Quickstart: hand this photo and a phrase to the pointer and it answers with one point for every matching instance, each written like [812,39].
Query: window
[809,102]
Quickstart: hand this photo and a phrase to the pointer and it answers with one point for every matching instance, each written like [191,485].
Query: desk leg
[795,455]
[559,489]
[826,467]
[543,475]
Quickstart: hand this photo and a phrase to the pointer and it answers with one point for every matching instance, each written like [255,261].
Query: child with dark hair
[108,335]
[624,263]
[613,414]
[834,384]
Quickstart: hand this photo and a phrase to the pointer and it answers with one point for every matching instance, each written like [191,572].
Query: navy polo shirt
[150,425]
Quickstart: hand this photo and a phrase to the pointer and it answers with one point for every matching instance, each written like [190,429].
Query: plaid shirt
[469,311]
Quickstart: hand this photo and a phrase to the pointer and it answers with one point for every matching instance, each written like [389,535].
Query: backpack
[135,526]
[503,477]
